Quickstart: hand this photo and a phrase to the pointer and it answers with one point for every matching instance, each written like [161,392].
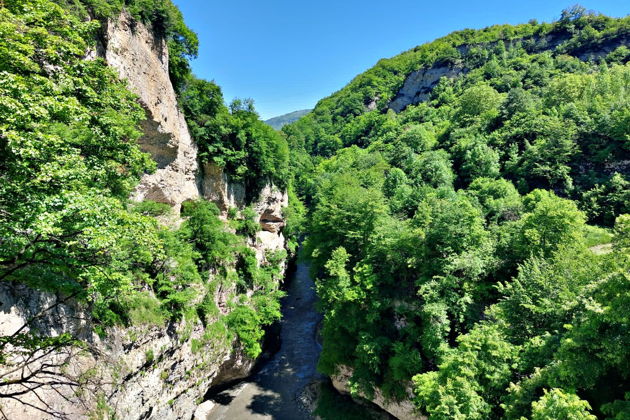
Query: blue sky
[287,55]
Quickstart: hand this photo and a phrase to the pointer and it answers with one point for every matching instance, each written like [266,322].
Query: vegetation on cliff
[164,19]
[234,137]
[451,240]
[68,162]
[231,137]
[472,250]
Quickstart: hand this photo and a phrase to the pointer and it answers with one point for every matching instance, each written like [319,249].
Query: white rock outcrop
[419,84]
[217,187]
[203,411]
[141,58]
[269,208]
[143,372]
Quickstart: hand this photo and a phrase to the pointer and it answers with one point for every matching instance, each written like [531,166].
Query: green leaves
[163,17]
[68,131]
[470,378]
[250,151]
[70,158]
[454,230]
[246,322]
[552,222]
[556,404]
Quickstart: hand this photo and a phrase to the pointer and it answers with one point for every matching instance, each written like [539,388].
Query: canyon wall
[141,58]
[141,372]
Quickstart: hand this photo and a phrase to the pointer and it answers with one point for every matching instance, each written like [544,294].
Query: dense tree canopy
[234,138]
[455,243]
[69,160]
[471,250]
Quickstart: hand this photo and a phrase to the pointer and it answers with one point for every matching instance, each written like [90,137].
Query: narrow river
[272,392]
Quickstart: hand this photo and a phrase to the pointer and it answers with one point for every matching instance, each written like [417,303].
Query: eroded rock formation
[141,57]
[141,372]
[419,84]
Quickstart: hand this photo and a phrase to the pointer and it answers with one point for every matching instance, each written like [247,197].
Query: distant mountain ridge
[282,120]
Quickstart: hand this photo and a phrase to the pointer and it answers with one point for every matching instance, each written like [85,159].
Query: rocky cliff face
[403,410]
[143,372]
[142,58]
[269,210]
[217,187]
[418,85]
[178,377]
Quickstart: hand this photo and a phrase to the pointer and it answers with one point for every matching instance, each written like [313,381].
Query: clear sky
[287,55]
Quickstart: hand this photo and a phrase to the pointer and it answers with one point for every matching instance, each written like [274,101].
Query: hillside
[142,219]
[454,192]
[282,120]
[462,211]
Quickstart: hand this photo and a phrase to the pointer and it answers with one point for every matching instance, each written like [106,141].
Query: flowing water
[273,392]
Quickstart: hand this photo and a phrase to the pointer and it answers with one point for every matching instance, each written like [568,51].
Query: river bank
[274,391]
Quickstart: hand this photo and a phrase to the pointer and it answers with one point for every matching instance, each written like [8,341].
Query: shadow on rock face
[156,142]
[223,398]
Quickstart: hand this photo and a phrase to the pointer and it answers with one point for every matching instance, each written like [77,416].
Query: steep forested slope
[69,162]
[69,159]
[462,199]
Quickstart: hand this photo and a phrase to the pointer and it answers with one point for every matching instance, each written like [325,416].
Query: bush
[151,208]
[245,322]
[247,224]
[145,309]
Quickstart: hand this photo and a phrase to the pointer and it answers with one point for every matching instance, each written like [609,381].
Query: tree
[470,378]
[604,202]
[499,199]
[480,161]
[420,137]
[395,178]
[574,12]
[518,101]
[479,100]
[345,215]
[432,168]
[550,222]
[545,294]
[557,404]
[250,151]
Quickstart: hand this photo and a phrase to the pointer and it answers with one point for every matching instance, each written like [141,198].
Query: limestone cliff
[141,57]
[418,85]
[143,372]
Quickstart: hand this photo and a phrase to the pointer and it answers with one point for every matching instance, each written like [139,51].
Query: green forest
[69,160]
[471,251]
